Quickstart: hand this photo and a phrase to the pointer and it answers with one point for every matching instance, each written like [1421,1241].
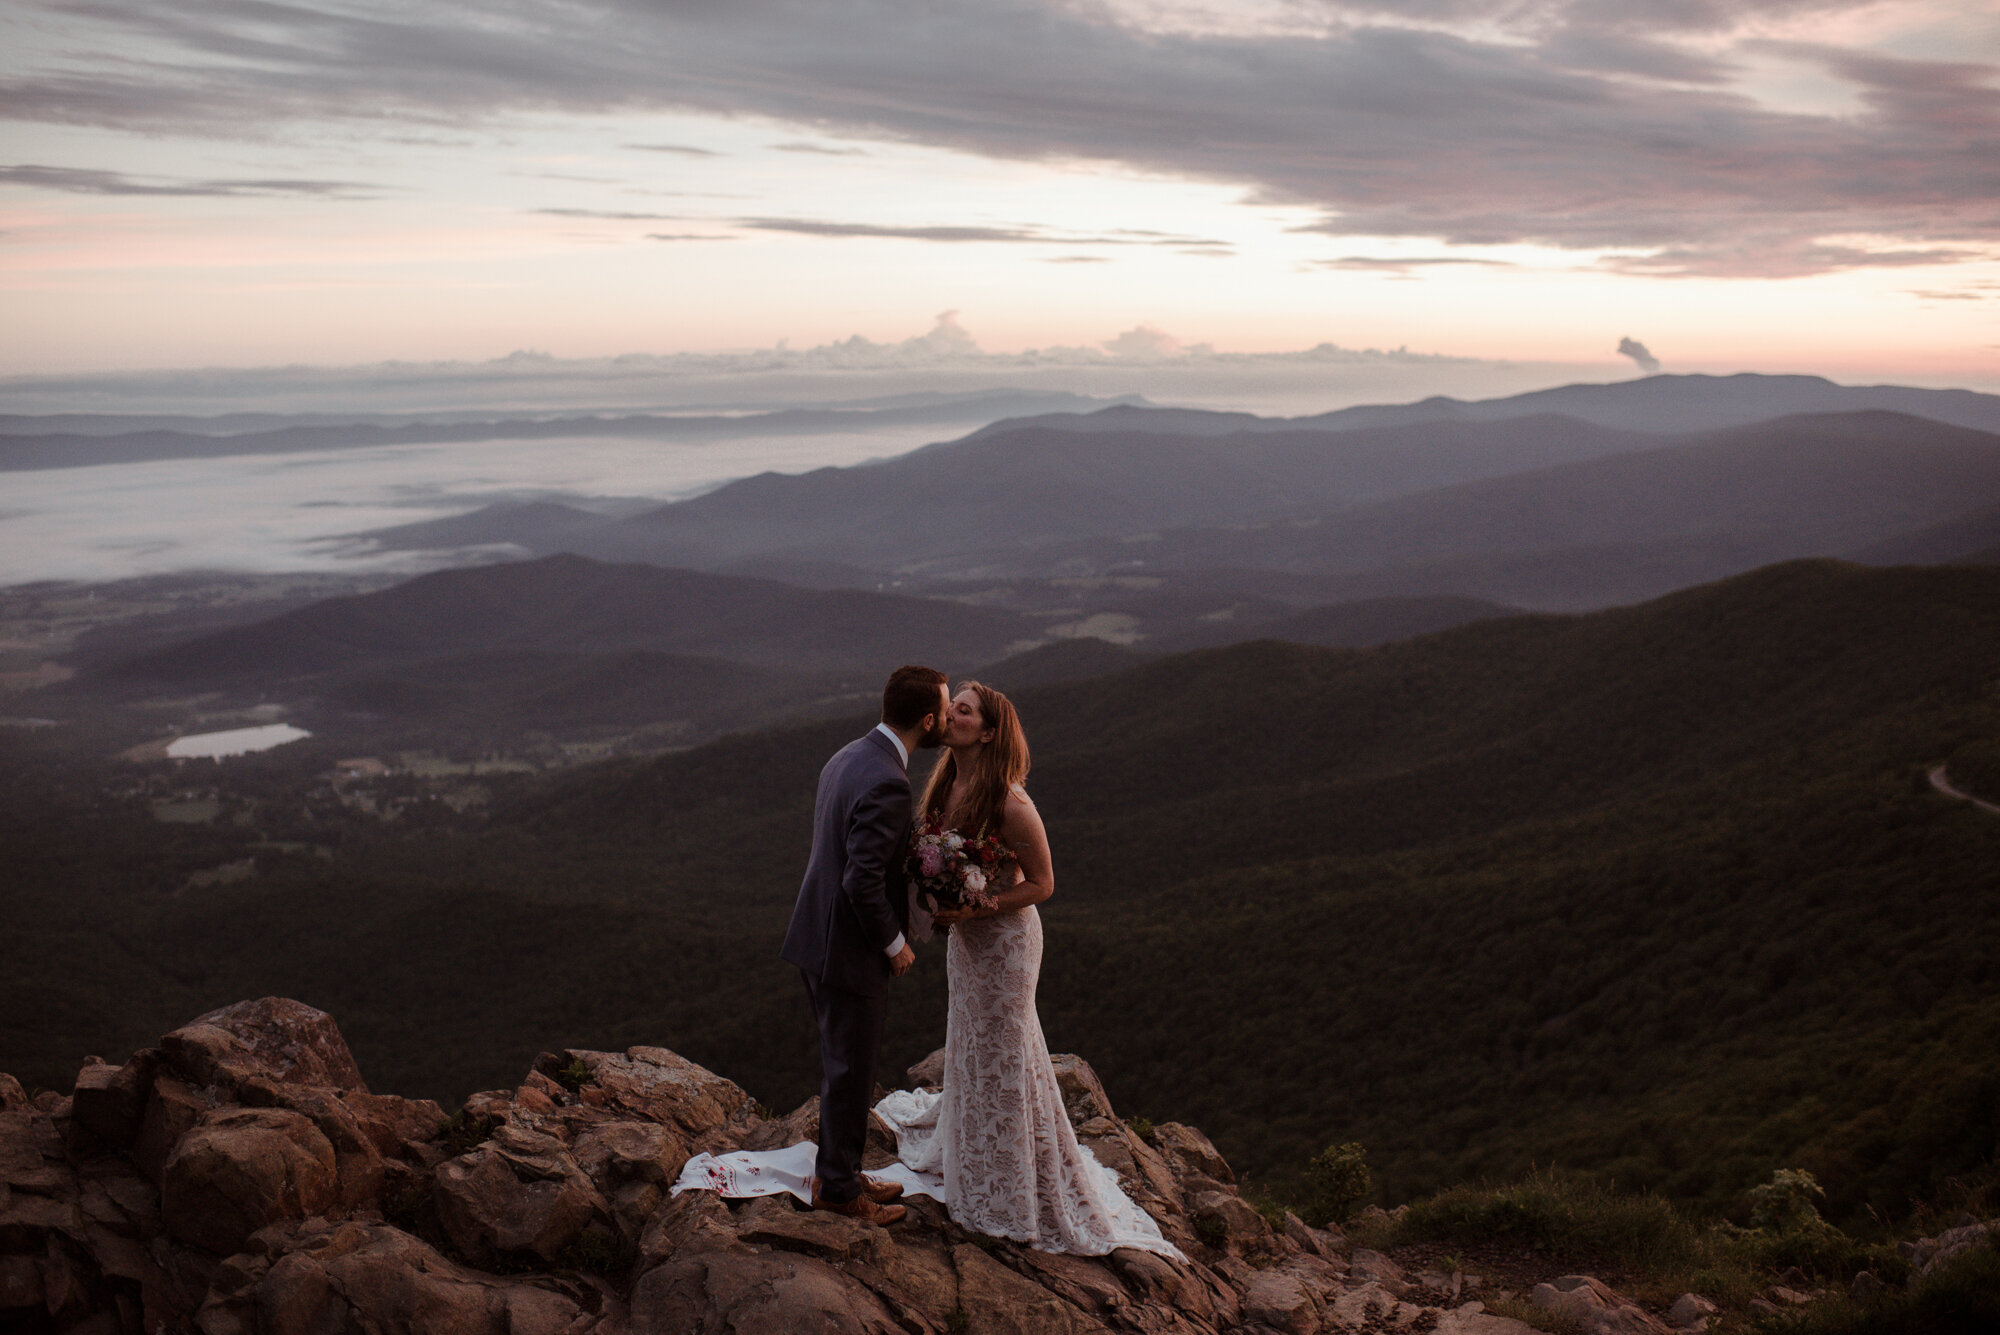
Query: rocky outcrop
[1927,1254]
[1595,1308]
[241,1179]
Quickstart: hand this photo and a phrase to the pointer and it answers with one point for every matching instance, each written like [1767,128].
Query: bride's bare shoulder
[1019,812]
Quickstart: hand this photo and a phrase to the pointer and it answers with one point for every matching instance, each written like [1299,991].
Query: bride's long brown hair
[1000,765]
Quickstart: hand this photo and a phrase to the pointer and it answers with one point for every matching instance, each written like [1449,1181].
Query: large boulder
[632,1165]
[1595,1307]
[371,1277]
[286,1041]
[244,1168]
[12,1096]
[173,1108]
[397,1127]
[664,1087]
[1279,1301]
[520,1193]
[1188,1151]
[999,1301]
[110,1101]
[1930,1253]
[357,1163]
[757,1293]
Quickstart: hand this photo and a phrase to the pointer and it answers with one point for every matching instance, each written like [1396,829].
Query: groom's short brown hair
[912,692]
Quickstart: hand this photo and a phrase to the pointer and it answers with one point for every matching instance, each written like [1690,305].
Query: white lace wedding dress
[997,1132]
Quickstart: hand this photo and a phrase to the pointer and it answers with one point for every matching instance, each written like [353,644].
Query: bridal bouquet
[950,870]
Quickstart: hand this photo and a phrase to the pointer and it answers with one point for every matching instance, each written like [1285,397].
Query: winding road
[1943,785]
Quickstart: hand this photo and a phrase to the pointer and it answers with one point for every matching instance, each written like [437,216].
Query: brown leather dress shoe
[861,1207]
[880,1192]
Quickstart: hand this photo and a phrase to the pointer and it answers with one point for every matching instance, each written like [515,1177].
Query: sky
[1772,185]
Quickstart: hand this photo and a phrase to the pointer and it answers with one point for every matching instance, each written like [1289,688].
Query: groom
[847,927]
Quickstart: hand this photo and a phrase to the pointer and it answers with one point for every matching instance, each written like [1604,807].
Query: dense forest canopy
[1660,893]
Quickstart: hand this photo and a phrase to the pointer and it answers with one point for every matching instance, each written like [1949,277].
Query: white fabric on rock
[997,1133]
[768,1172]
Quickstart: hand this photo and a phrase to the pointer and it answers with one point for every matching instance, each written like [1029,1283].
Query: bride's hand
[952,917]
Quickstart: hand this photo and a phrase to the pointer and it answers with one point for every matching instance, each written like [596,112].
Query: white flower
[954,841]
[975,879]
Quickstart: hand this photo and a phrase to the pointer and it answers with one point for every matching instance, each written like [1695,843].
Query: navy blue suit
[852,905]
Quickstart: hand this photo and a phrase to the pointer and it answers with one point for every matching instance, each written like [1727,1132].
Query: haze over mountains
[1021,546]
[1566,499]
[76,440]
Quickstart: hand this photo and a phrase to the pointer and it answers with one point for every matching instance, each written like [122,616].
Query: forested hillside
[1661,893]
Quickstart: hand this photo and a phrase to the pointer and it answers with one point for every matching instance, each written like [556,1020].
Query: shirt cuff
[894,948]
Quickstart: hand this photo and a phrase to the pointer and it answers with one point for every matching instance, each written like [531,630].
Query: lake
[235,742]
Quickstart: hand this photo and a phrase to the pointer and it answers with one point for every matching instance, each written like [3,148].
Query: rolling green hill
[1659,893]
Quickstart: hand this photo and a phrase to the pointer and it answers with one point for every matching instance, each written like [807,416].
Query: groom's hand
[899,963]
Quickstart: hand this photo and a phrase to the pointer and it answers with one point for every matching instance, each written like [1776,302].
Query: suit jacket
[854,899]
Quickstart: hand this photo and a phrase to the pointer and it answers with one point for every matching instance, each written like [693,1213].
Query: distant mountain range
[1663,404]
[1566,499]
[1625,527]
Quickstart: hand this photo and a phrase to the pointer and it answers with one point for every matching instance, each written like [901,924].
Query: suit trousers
[850,1047]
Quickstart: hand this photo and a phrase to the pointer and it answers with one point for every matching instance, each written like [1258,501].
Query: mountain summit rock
[242,1178]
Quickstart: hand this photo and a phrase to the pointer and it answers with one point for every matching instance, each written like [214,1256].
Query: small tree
[1337,1180]
[1785,1203]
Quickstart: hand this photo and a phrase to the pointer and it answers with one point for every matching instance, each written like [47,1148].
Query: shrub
[1572,1217]
[1960,1297]
[1785,1204]
[1337,1180]
[1786,1230]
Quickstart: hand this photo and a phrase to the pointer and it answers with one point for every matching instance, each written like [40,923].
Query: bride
[997,1132]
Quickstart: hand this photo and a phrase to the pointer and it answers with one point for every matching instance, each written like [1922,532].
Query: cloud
[685,150]
[1588,124]
[87,181]
[1644,360]
[816,227]
[1779,257]
[610,214]
[687,236]
[1405,263]
[823,149]
[1015,234]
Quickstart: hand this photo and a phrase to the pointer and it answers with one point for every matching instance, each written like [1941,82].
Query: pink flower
[930,859]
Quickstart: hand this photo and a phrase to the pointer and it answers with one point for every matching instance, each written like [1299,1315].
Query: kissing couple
[996,1131]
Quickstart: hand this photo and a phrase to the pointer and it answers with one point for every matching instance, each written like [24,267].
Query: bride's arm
[1021,830]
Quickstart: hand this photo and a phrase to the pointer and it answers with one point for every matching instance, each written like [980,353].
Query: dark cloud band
[87,181]
[1587,127]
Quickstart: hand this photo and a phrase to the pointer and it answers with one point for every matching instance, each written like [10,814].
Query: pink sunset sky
[1772,185]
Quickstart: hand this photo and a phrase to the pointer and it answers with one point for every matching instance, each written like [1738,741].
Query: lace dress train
[997,1132]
